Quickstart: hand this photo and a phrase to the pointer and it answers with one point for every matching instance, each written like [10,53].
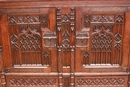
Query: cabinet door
[99,39]
[31,37]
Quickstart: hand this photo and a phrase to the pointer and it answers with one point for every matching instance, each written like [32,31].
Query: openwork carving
[102,18]
[28,19]
[27,28]
[105,38]
[101,43]
[119,18]
[100,81]
[29,81]
[118,39]
[30,39]
[14,42]
[13,20]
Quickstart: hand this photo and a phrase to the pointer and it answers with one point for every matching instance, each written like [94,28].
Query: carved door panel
[99,37]
[33,38]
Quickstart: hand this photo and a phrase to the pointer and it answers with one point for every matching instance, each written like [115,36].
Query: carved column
[2,79]
[72,67]
[66,45]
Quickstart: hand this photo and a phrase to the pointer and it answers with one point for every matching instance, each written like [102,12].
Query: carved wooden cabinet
[64,44]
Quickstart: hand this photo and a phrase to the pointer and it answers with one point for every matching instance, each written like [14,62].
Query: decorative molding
[109,9]
[27,10]
[35,81]
[108,70]
[25,70]
[100,81]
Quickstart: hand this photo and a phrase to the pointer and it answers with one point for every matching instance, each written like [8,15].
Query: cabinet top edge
[57,3]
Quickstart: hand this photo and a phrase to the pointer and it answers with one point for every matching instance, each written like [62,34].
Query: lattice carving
[118,39]
[14,42]
[13,20]
[105,38]
[101,42]
[102,19]
[100,81]
[119,18]
[28,19]
[44,19]
[29,81]
[30,39]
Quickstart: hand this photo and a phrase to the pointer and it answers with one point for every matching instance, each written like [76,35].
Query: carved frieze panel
[102,19]
[29,81]
[25,70]
[100,81]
